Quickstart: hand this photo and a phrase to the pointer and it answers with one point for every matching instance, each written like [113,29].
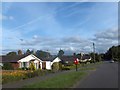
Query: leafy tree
[32,66]
[19,52]
[28,51]
[32,52]
[55,66]
[8,66]
[113,53]
[79,55]
[60,53]
[40,53]
[12,54]
[97,57]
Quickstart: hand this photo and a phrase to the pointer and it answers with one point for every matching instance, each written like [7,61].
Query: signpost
[76,63]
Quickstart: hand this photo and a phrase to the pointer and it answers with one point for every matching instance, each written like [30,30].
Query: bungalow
[22,61]
[26,61]
[85,58]
[48,62]
[11,59]
[68,60]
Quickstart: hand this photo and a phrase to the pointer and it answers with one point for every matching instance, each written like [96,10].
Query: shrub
[60,66]
[7,66]
[66,68]
[9,76]
[55,66]
[32,66]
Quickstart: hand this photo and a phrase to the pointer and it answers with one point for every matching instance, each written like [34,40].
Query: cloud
[104,40]
[111,34]
[45,28]
[68,44]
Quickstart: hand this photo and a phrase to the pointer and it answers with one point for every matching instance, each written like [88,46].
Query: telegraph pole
[94,51]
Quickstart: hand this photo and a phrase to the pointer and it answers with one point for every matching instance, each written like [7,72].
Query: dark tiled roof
[67,58]
[85,57]
[47,58]
[11,58]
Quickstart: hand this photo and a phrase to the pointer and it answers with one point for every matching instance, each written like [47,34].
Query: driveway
[106,76]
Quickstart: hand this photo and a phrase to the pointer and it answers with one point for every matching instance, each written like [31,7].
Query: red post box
[76,62]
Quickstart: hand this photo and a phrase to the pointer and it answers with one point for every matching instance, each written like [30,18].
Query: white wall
[1,64]
[56,60]
[48,65]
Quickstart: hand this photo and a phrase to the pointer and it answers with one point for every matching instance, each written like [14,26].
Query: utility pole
[94,51]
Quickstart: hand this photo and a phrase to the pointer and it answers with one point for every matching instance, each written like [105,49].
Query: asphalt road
[106,76]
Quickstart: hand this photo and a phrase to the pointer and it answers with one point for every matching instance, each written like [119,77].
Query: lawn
[60,81]
[65,80]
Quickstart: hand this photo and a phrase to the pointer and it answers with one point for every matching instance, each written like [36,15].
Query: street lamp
[94,51]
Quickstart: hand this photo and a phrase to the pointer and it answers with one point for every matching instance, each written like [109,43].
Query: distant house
[48,62]
[67,60]
[85,58]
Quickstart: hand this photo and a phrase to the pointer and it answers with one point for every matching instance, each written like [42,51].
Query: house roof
[16,58]
[67,58]
[12,59]
[28,58]
[48,58]
[85,57]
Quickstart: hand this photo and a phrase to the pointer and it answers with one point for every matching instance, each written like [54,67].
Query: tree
[60,53]
[79,55]
[74,54]
[97,57]
[32,66]
[43,54]
[12,54]
[113,53]
[55,66]
[8,66]
[28,51]
[19,52]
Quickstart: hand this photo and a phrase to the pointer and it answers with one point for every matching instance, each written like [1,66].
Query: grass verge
[60,81]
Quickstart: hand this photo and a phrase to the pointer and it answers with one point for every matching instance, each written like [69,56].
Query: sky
[51,26]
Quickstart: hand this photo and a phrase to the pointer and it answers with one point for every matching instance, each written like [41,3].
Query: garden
[16,75]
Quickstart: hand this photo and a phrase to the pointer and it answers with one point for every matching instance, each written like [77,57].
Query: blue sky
[71,26]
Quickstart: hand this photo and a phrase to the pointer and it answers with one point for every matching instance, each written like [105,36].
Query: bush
[7,66]
[32,66]
[55,67]
[60,66]
[9,76]
[66,68]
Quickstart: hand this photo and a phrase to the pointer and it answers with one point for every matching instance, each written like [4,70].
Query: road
[106,76]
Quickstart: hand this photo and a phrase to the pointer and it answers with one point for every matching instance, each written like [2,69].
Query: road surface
[106,76]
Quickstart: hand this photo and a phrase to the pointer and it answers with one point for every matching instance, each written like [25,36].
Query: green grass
[65,80]
[60,81]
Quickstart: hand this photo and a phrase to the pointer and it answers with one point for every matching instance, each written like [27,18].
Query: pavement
[106,76]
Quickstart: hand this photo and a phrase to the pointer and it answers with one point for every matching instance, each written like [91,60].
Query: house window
[24,64]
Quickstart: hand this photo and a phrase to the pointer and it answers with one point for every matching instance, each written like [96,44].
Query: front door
[43,65]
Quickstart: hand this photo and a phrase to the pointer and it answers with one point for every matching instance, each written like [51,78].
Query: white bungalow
[48,62]
[25,62]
